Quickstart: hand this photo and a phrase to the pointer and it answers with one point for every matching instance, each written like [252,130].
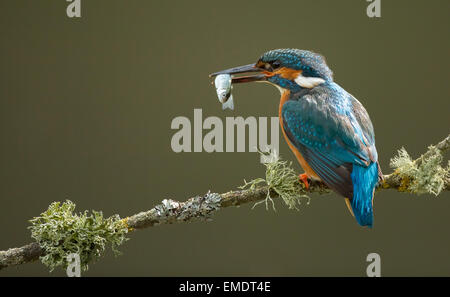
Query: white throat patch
[308,82]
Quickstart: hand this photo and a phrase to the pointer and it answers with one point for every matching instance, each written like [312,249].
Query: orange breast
[301,160]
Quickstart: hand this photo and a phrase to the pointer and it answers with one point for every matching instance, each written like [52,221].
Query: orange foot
[304,178]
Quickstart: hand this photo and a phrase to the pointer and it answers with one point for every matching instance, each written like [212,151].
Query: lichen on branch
[424,175]
[282,179]
[171,211]
[60,232]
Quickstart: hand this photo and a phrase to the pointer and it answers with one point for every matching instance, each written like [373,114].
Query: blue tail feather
[364,181]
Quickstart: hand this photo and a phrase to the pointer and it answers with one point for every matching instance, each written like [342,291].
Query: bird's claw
[304,179]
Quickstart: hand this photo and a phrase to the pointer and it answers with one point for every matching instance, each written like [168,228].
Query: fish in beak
[243,69]
[223,89]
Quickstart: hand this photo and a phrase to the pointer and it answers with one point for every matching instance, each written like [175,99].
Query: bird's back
[333,132]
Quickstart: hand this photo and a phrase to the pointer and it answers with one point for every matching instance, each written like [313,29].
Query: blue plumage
[312,64]
[364,181]
[331,130]
[328,130]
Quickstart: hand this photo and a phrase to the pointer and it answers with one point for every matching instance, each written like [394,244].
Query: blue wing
[333,132]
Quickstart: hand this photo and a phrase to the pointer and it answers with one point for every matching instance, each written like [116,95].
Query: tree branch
[203,207]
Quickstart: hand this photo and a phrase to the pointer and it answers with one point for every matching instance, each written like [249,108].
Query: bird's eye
[267,66]
[276,64]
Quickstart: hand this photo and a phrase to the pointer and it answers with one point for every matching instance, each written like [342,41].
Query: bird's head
[288,69]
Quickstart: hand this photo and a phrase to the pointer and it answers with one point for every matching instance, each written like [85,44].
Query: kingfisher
[328,130]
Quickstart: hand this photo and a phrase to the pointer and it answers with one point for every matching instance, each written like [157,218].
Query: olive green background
[86,107]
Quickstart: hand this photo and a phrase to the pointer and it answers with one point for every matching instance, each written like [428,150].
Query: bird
[328,129]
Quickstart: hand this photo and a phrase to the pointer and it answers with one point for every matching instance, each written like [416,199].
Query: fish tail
[229,104]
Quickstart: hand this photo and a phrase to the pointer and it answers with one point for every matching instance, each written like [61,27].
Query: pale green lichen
[60,232]
[425,175]
[282,179]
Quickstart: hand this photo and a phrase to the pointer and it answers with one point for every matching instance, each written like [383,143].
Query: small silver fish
[223,89]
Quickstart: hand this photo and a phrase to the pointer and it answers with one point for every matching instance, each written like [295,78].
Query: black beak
[243,69]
